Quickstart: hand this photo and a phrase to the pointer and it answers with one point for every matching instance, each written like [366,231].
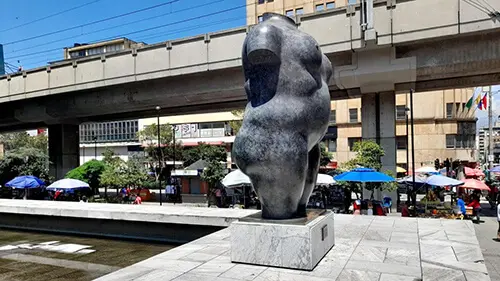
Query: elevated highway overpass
[397,45]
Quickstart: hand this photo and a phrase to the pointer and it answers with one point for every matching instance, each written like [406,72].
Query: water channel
[30,256]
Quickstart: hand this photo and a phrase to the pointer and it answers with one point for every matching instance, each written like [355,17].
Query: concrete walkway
[486,233]
[367,248]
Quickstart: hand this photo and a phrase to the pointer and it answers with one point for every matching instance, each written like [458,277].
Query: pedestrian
[498,219]
[218,196]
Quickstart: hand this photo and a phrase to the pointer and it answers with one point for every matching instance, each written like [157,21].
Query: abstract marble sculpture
[286,117]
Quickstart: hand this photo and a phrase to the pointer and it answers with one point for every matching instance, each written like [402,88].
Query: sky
[21,20]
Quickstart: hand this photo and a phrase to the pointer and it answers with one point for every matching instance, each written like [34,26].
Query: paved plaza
[367,248]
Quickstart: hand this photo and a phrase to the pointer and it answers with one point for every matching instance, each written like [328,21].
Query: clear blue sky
[14,13]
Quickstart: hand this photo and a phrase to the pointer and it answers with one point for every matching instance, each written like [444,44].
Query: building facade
[106,47]
[483,143]
[255,9]
[444,127]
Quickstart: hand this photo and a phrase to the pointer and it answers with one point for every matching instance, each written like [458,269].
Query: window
[400,112]
[450,141]
[449,110]
[353,115]
[401,142]
[289,13]
[122,131]
[333,116]
[260,18]
[262,1]
[330,5]
[351,2]
[320,7]
[332,145]
[299,11]
[351,142]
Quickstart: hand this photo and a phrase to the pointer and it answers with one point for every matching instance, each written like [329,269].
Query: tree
[17,140]
[206,152]
[163,154]
[326,156]
[236,124]
[150,133]
[136,174]
[90,172]
[24,161]
[212,175]
[368,155]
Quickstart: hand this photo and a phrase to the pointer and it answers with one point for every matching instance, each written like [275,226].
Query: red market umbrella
[475,184]
[473,172]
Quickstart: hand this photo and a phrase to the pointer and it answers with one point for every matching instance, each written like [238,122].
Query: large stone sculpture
[286,117]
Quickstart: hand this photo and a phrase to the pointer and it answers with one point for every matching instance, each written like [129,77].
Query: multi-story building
[99,48]
[483,143]
[255,9]
[444,127]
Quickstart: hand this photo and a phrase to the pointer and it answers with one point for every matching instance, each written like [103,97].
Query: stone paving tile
[466,253]
[358,275]
[393,277]
[438,253]
[126,274]
[197,256]
[436,273]
[377,235]
[199,277]
[369,254]
[403,256]
[243,272]
[160,274]
[178,265]
[213,268]
[476,276]
[271,274]
[400,269]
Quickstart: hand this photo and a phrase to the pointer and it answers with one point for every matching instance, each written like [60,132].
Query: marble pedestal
[297,244]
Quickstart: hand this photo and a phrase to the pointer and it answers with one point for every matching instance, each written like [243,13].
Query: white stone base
[288,245]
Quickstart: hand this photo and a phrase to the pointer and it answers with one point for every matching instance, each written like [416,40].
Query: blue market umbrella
[364,175]
[438,180]
[25,182]
[495,169]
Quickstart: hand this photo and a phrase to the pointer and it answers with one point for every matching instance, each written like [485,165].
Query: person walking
[498,219]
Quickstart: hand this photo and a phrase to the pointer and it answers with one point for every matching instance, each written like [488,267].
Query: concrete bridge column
[63,149]
[378,116]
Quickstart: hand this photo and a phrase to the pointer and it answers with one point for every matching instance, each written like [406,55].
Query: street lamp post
[408,193]
[414,198]
[159,150]
[174,150]
[94,138]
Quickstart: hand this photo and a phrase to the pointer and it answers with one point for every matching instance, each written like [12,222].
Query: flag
[478,102]
[470,102]
[485,101]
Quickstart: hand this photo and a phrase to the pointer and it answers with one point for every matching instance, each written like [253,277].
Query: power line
[91,23]
[142,30]
[50,16]
[116,26]
[149,36]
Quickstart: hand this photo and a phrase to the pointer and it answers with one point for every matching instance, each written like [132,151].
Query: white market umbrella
[236,178]
[323,179]
[68,184]
[427,169]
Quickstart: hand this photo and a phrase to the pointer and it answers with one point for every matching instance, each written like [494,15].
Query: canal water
[31,256]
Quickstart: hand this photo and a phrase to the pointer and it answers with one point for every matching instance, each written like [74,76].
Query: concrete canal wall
[173,224]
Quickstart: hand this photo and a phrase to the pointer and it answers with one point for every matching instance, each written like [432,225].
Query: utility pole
[490,129]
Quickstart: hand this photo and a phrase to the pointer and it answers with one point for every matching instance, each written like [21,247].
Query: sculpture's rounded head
[276,47]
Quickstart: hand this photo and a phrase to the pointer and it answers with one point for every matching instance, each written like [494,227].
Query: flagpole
[490,129]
